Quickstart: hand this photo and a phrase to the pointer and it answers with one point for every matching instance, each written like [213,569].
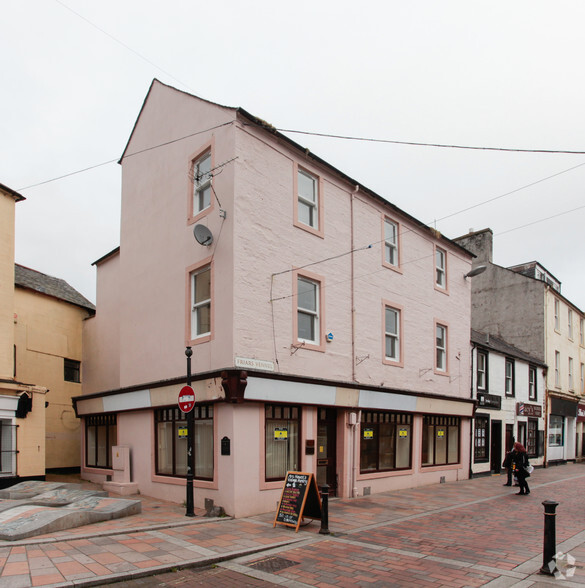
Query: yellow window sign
[440,432]
[368,433]
[403,432]
[280,434]
[182,432]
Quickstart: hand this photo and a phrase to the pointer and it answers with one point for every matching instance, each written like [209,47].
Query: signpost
[300,497]
[186,399]
[186,404]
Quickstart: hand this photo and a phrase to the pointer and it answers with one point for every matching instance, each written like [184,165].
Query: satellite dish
[203,235]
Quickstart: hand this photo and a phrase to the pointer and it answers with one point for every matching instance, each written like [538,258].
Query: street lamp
[190,449]
[475,271]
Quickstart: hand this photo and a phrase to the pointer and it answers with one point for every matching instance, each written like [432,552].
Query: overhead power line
[104,32]
[79,171]
[420,144]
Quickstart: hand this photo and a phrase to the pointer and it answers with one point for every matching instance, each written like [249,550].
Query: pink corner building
[330,329]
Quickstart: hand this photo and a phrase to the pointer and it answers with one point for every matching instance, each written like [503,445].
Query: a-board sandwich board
[300,498]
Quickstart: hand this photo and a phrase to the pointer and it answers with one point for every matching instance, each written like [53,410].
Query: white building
[509,386]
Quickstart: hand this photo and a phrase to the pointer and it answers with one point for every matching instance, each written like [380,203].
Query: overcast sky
[470,73]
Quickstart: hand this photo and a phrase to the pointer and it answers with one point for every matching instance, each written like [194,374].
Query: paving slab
[467,533]
[44,507]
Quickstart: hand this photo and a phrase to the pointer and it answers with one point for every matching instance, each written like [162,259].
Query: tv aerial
[203,235]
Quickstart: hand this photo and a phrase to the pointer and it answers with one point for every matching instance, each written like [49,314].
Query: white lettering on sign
[257,364]
[187,398]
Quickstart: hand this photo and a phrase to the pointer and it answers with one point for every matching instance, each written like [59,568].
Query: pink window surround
[188,273]
[191,216]
[319,230]
[387,304]
[320,346]
[396,267]
[445,326]
[444,289]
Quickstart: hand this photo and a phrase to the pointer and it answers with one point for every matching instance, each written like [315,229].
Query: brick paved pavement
[468,533]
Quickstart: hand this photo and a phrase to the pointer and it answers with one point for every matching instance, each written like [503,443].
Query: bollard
[550,537]
[324,530]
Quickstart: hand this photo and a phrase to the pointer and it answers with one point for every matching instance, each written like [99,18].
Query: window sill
[193,218]
[177,481]
[386,474]
[392,362]
[394,268]
[309,229]
[442,290]
[436,468]
[309,346]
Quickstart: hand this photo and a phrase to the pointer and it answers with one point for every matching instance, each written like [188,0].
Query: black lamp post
[190,444]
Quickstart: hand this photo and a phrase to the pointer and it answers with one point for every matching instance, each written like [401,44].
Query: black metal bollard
[324,530]
[550,537]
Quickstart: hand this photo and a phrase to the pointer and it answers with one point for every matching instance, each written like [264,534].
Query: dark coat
[520,461]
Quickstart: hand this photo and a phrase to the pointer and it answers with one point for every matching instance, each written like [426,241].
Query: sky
[492,74]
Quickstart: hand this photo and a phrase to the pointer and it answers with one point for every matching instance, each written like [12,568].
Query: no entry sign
[186,399]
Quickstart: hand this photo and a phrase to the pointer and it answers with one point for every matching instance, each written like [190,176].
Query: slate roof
[25,277]
[489,341]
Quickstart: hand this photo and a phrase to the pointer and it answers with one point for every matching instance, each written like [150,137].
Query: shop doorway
[496,447]
[326,449]
[509,437]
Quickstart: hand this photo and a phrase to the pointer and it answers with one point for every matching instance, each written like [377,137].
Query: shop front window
[386,441]
[480,448]
[171,442]
[440,440]
[532,438]
[282,435]
[100,437]
[555,431]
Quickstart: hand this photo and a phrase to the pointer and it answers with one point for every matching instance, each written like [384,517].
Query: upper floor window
[440,268]
[308,311]
[202,183]
[308,199]
[571,380]
[72,370]
[570,323]
[392,334]
[532,392]
[391,243]
[557,315]
[582,389]
[509,386]
[582,331]
[201,302]
[557,369]
[482,363]
[440,348]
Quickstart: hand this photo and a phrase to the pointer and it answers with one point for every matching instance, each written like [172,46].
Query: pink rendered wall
[157,244]
[277,246]
[101,333]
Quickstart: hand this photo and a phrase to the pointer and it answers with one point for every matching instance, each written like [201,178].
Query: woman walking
[520,463]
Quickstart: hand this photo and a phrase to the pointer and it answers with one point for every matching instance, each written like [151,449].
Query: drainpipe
[354,461]
[545,440]
[352,196]
[472,420]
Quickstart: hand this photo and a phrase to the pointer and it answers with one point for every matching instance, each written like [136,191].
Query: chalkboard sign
[300,498]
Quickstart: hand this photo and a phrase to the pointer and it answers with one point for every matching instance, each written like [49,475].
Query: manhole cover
[273,564]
